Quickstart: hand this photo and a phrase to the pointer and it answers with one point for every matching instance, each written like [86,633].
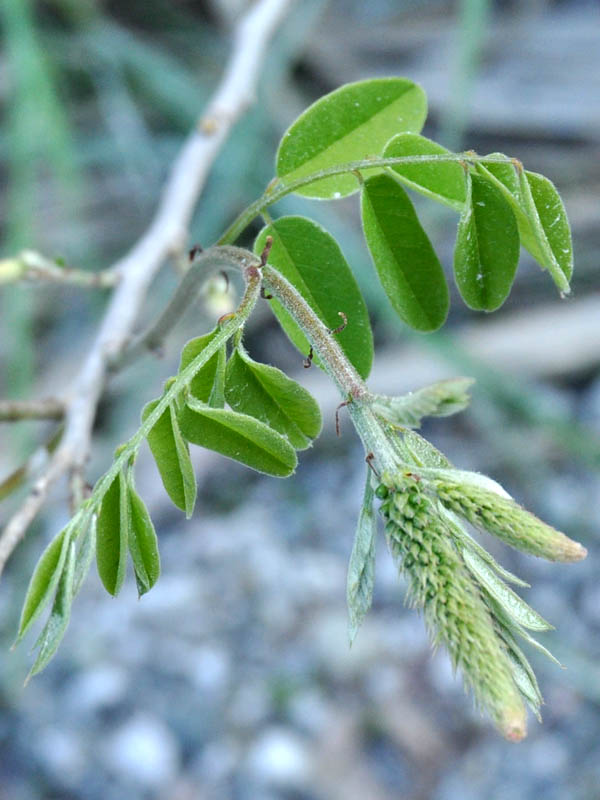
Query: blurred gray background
[233,677]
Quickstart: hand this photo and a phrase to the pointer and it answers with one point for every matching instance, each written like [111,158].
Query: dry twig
[166,234]
[33,267]
[11,411]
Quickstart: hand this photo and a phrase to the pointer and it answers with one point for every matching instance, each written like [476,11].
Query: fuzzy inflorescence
[455,610]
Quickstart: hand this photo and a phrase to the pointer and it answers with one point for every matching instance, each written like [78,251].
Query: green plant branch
[338,367]
[351,386]
[277,189]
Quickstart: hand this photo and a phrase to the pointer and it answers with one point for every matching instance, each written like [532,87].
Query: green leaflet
[58,621]
[525,685]
[406,263]
[499,611]
[207,384]
[505,173]
[542,220]
[172,458]
[266,393]
[421,452]
[438,400]
[466,541]
[523,674]
[361,569]
[44,580]
[550,225]
[444,181]
[351,123]
[516,608]
[486,253]
[504,177]
[238,436]
[85,554]
[311,259]
[142,541]
[112,536]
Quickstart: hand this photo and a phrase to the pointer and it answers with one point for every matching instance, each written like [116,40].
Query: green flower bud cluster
[454,606]
[507,520]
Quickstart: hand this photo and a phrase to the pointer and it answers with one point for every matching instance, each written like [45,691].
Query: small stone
[98,687]
[61,751]
[279,758]
[144,751]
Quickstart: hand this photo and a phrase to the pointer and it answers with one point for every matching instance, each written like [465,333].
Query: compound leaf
[266,393]
[349,124]
[112,535]
[486,254]
[172,458]
[311,259]
[406,263]
[238,436]
[444,181]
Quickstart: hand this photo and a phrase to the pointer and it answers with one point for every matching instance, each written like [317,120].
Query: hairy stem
[351,386]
